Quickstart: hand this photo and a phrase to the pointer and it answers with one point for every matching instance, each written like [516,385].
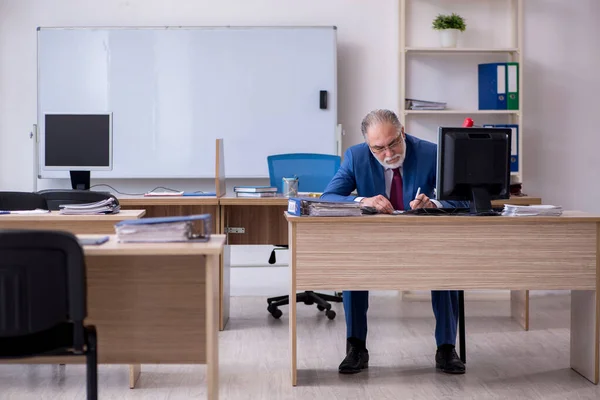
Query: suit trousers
[445,309]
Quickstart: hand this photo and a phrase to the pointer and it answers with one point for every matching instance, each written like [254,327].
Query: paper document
[36,211]
[539,210]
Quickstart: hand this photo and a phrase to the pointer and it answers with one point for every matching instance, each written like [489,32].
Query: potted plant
[449,27]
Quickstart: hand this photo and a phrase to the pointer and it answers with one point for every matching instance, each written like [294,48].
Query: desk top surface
[283,201]
[113,248]
[143,201]
[56,216]
[253,201]
[405,219]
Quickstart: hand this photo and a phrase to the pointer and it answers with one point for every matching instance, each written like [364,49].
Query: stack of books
[414,104]
[524,211]
[107,206]
[165,229]
[255,191]
[323,208]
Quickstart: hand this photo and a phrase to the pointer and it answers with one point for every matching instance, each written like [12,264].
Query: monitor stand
[80,180]
[481,202]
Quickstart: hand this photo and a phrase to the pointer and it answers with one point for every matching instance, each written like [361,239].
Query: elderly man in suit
[386,172]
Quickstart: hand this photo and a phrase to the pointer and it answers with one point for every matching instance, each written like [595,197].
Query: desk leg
[224,287]
[519,307]
[134,374]
[212,326]
[292,244]
[584,333]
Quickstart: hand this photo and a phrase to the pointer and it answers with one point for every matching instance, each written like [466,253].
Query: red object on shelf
[468,123]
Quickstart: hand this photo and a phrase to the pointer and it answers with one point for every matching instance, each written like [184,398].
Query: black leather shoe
[357,359]
[448,361]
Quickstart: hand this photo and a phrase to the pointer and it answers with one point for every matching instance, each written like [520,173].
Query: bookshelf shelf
[513,52]
[462,112]
[459,50]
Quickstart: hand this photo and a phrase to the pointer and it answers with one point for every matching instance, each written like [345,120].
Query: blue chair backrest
[314,171]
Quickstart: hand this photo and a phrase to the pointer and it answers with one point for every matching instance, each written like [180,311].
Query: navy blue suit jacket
[360,170]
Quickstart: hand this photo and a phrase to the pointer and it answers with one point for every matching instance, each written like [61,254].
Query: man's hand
[422,201]
[379,202]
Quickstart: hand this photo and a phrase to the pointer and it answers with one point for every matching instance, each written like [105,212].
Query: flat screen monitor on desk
[474,165]
[78,143]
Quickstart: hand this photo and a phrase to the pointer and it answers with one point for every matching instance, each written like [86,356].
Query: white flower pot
[449,37]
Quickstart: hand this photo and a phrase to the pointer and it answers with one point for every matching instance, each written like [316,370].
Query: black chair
[43,300]
[307,297]
[57,197]
[14,201]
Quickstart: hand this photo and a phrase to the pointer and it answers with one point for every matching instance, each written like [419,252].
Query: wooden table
[515,253]
[247,220]
[153,303]
[260,221]
[100,223]
[168,206]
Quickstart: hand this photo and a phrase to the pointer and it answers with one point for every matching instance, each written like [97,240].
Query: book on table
[255,189]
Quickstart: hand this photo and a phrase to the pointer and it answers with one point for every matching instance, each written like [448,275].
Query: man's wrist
[358,199]
[436,203]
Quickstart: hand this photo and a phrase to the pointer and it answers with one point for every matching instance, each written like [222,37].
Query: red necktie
[396,191]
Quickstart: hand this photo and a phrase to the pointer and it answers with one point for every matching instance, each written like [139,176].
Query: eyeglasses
[391,145]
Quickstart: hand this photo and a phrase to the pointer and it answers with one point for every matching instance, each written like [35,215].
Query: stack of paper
[255,191]
[106,206]
[165,229]
[539,210]
[323,208]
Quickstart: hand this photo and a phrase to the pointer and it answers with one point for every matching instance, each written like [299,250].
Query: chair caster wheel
[320,308]
[275,312]
[330,314]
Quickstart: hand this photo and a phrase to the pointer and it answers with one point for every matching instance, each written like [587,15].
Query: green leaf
[453,21]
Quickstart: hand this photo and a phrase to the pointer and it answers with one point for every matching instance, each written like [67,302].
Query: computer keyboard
[449,211]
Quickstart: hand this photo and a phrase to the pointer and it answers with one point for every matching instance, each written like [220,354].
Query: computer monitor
[78,143]
[474,165]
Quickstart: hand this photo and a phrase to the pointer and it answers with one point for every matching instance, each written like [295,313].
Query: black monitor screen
[78,140]
[473,164]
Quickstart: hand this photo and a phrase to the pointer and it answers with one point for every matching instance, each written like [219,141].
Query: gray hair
[377,117]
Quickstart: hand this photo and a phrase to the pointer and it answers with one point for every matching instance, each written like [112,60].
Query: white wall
[562,77]
[562,100]
[367,37]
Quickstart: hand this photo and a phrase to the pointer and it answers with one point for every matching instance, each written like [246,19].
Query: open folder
[165,229]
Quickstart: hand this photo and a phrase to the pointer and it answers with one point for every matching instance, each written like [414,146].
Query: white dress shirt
[389,174]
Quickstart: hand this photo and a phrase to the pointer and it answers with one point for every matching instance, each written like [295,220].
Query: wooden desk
[190,205]
[262,218]
[174,206]
[545,253]
[104,224]
[153,303]
[260,221]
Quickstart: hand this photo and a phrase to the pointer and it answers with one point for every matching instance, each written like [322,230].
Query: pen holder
[290,187]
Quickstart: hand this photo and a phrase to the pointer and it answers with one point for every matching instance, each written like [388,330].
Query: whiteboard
[173,91]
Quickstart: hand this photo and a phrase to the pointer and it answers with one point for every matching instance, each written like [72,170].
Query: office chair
[314,171]
[43,300]
[15,201]
[57,197]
